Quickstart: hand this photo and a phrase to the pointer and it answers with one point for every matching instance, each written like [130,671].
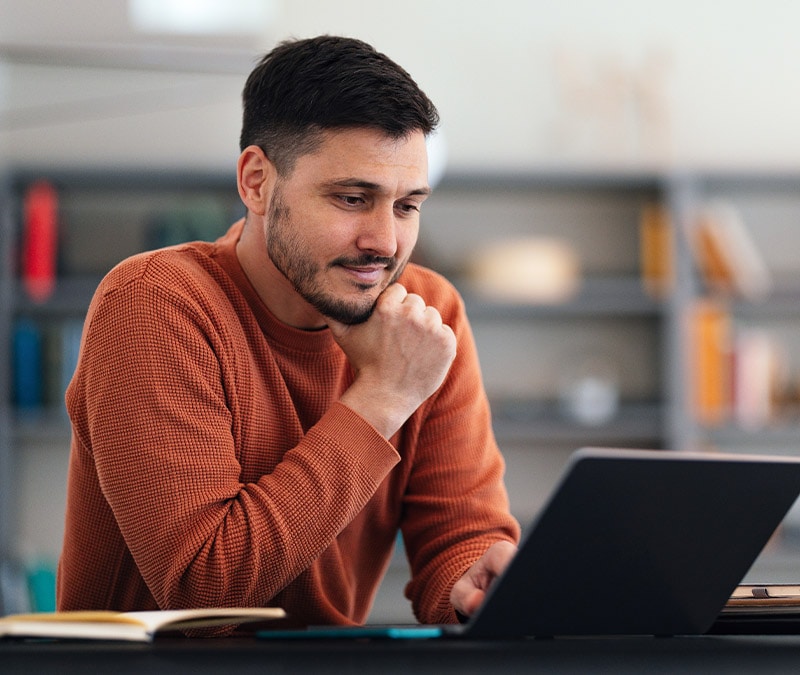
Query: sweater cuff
[377,455]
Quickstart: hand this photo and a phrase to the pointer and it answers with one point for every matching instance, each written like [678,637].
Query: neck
[272,287]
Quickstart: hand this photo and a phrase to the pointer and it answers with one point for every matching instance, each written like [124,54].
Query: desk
[709,654]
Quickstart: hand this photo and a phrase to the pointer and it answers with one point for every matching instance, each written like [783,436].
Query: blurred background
[519,84]
[617,198]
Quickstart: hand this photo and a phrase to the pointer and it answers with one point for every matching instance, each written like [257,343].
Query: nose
[378,233]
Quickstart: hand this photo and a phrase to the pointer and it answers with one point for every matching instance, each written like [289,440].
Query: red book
[40,241]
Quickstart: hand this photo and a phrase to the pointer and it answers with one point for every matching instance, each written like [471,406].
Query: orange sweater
[211,464]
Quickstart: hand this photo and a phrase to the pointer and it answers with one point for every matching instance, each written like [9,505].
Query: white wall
[520,83]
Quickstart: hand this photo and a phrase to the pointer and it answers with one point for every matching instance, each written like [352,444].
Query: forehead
[366,154]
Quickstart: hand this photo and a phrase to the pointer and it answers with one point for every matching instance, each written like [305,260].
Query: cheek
[407,239]
[315,229]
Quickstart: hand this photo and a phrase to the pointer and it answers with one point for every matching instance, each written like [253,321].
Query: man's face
[341,227]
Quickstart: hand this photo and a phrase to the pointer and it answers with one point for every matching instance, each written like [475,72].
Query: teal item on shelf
[27,364]
[42,587]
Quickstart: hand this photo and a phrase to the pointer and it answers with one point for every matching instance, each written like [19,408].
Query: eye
[408,207]
[351,200]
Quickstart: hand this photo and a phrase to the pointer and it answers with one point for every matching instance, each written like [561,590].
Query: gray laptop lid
[640,542]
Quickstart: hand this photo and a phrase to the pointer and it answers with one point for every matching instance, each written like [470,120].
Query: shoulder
[181,281]
[175,268]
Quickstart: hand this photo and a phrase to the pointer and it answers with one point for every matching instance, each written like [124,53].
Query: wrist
[387,413]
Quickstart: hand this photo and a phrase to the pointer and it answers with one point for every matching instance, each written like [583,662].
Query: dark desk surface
[709,654]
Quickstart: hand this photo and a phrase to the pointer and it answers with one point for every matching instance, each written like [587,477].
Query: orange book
[656,249]
[714,265]
[726,254]
[710,362]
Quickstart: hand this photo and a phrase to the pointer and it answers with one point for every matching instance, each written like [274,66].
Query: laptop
[631,542]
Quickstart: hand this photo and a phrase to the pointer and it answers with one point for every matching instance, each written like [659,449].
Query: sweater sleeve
[150,401]
[456,504]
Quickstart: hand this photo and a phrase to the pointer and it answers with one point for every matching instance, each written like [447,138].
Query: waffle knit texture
[211,464]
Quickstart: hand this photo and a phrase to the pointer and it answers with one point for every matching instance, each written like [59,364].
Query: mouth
[366,273]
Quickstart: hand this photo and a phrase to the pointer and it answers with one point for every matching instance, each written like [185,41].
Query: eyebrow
[374,187]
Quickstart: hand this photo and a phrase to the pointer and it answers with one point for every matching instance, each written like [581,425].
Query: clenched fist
[400,356]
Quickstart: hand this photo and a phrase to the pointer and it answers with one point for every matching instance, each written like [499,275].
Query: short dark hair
[303,87]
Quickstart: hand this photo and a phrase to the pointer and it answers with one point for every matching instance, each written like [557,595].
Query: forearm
[455,509]
[456,505]
[235,544]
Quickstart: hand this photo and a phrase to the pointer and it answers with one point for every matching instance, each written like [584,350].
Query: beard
[286,250]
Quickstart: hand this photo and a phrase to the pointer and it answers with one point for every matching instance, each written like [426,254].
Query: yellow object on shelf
[532,269]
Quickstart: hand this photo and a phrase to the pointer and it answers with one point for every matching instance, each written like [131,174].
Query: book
[27,366]
[760,609]
[726,254]
[656,250]
[710,360]
[760,371]
[764,599]
[139,626]
[40,241]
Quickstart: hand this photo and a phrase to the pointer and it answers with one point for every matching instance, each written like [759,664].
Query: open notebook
[631,542]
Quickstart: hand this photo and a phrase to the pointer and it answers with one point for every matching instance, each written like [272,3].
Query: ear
[255,176]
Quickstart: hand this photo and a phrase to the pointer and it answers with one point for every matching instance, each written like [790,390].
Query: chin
[352,315]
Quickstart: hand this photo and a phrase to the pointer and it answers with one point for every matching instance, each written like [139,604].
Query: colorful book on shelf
[656,249]
[27,366]
[129,626]
[758,373]
[737,373]
[40,241]
[710,360]
[44,358]
[726,255]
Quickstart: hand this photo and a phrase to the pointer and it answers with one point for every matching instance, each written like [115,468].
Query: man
[255,418]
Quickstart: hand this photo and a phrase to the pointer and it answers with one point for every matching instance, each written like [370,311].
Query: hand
[400,356]
[470,590]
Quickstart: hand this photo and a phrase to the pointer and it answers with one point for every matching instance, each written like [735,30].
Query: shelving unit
[7,494]
[535,419]
[769,205]
[527,349]
[103,217]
